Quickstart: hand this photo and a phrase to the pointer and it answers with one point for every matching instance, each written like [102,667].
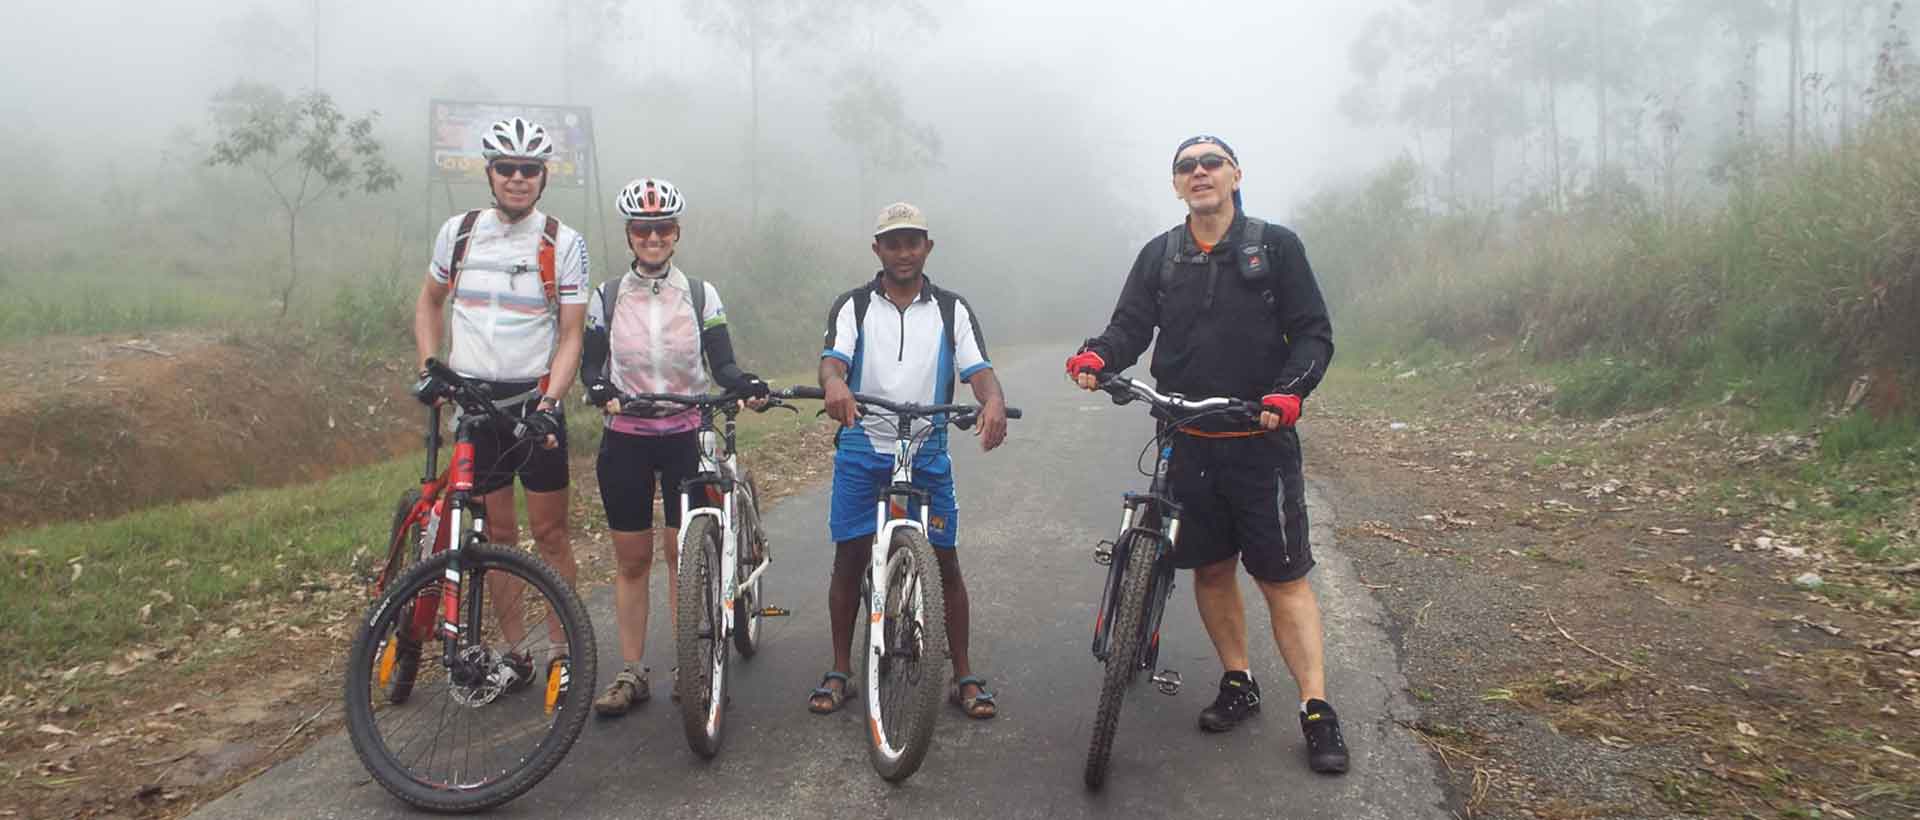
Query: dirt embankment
[97,426]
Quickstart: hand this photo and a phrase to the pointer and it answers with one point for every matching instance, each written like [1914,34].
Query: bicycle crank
[1168,682]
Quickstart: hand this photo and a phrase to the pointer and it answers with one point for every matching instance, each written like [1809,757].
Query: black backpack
[1254,260]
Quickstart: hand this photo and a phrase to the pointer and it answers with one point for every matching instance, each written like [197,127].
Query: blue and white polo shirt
[903,356]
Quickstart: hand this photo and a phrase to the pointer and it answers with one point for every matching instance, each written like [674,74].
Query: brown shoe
[628,690]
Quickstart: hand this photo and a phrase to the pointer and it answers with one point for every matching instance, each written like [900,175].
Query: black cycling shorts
[627,466]
[498,458]
[1244,496]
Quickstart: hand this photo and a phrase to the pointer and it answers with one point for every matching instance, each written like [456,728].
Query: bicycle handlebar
[908,409]
[1125,390]
[716,400]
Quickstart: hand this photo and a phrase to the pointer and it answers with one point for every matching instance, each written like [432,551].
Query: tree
[301,148]
[759,27]
[870,116]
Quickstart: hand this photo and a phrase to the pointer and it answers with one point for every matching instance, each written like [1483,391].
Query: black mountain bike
[1126,629]
[440,700]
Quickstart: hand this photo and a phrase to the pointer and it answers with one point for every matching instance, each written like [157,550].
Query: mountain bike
[1126,627]
[439,697]
[722,569]
[900,647]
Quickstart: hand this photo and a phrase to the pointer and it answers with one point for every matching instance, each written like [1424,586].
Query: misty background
[1455,167]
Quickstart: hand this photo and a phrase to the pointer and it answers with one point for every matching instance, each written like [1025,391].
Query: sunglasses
[529,170]
[1211,162]
[642,230]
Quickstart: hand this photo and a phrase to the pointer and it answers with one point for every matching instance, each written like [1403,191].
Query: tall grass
[1801,279]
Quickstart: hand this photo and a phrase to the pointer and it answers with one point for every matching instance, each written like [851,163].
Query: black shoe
[1239,697]
[1326,749]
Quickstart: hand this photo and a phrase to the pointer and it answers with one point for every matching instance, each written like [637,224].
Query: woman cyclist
[651,330]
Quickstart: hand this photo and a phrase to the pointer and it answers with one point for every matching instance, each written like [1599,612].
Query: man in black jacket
[1239,314]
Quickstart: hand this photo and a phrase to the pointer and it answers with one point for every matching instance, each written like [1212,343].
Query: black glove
[431,389]
[601,392]
[753,386]
[540,424]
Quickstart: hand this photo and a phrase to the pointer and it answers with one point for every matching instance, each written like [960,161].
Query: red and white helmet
[516,138]
[650,200]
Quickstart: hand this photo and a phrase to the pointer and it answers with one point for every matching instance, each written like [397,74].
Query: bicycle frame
[890,516]
[715,483]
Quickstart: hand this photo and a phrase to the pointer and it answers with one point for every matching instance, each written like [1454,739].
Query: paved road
[1031,513]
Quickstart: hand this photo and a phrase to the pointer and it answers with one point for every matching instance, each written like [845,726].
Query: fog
[1035,134]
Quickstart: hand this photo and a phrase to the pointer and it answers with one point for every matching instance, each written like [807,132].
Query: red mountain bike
[439,697]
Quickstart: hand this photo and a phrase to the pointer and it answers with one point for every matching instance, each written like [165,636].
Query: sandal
[627,691]
[978,707]
[825,700]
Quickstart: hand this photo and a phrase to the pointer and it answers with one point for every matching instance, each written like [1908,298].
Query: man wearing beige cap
[931,337]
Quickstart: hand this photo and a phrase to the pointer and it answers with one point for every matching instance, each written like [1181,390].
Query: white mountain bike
[722,569]
[900,646]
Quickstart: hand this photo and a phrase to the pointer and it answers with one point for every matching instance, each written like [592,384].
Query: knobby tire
[1123,654]
[697,638]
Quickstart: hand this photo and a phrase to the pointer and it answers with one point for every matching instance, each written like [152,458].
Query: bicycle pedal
[774,612]
[1103,553]
[1168,682]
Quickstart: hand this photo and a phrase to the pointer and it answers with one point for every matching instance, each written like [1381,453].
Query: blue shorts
[858,478]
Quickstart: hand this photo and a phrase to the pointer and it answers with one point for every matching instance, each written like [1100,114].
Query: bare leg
[843,597]
[633,553]
[959,616]
[1216,592]
[1296,628]
[503,530]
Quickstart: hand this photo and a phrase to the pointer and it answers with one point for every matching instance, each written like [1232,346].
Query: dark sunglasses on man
[528,170]
[1211,162]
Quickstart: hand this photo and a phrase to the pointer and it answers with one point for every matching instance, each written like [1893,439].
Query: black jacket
[1218,337]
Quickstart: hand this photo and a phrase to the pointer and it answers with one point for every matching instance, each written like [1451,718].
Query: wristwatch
[547,403]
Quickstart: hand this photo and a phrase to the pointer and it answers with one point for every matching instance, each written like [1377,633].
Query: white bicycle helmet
[650,200]
[516,139]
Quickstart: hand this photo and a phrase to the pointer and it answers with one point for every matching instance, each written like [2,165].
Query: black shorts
[626,468]
[498,458]
[1243,496]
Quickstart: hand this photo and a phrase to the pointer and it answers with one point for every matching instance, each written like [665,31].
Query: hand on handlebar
[1279,410]
[840,404]
[431,389]
[1084,369]
[544,426]
[992,424]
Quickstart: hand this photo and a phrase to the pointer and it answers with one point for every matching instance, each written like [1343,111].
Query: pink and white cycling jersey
[655,344]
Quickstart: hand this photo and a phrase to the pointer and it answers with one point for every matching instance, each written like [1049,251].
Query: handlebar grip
[803,392]
[1014,412]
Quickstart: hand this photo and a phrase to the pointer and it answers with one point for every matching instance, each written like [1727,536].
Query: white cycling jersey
[503,328]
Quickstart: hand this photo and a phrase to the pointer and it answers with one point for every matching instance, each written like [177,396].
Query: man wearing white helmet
[648,331]
[518,282]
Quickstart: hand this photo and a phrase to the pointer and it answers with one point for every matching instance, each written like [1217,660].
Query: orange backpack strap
[548,275]
[459,259]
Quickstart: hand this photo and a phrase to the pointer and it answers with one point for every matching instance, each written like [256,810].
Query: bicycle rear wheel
[698,645]
[1123,653]
[907,680]
[748,605]
[473,735]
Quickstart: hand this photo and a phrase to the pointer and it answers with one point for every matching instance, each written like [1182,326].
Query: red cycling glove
[1284,405]
[1085,361]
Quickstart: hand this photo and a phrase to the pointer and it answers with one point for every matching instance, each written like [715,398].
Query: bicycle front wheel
[907,676]
[476,732]
[1123,653]
[699,646]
